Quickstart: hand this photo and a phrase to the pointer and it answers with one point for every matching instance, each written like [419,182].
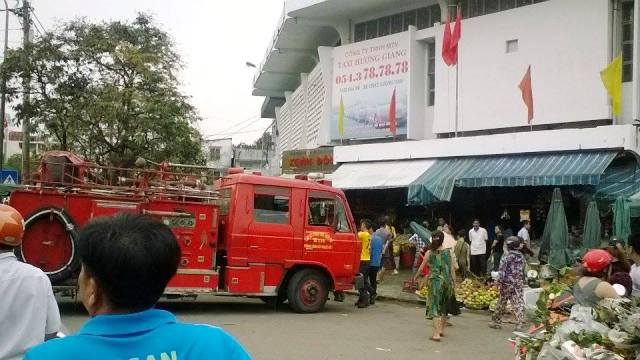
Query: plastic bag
[602,354]
[548,352]
[582,314]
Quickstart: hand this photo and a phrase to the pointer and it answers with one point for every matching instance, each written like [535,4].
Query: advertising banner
[370,86]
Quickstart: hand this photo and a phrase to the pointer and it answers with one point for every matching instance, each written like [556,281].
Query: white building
[219,154]
[335,67]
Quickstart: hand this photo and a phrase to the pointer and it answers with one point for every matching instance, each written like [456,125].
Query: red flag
[446,43]
[392,114]
[455,38]
[527,93]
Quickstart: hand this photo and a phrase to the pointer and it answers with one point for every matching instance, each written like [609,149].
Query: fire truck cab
[244,235]
[286,239]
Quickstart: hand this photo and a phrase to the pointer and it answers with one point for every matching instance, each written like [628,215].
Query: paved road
[386,330]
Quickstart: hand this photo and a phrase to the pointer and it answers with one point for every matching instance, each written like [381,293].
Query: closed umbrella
[421,231]
[555,238]
[591,234]
[621,220]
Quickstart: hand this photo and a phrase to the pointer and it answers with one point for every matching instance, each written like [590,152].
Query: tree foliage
[108,91]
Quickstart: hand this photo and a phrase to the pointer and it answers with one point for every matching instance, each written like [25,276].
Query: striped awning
[555,169]
[619,181]
[437,183]
[552,169]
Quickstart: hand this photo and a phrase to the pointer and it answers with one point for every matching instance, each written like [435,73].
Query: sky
[215,39]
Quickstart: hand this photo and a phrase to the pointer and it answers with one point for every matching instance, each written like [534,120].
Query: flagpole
[457,67]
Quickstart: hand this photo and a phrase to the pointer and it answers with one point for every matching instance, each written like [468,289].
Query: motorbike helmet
[596,260]
[11,226]
[513,243]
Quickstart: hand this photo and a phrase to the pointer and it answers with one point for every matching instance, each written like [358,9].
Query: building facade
[368,78]
[221,155]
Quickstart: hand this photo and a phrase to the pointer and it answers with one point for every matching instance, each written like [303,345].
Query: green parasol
[421,231]
[555,238]
[591,234]
[621,220]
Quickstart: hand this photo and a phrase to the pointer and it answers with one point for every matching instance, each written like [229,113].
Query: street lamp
[250,64]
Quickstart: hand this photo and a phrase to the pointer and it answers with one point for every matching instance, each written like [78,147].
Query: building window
[273,209]
[384,26]
[431,74]
[396,24]
[425,17]
[434,15]
[512,46]
[422,18]
[214,153]
[627,41]
[359,32]
[409,19]
[372,29]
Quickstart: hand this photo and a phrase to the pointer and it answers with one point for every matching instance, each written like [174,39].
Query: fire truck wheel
[43,228]
[307,291]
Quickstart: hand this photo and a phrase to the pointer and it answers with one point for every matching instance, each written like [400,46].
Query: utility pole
[26,85]
[3,86]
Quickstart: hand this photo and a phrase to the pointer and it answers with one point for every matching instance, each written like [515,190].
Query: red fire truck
[243,234]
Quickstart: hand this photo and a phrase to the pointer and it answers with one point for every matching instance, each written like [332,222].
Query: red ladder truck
[242,234]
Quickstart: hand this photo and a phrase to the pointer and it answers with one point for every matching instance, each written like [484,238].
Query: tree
[14,162]
[108,91]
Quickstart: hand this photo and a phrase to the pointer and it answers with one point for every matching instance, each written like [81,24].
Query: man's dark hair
[131,257]
[367,223]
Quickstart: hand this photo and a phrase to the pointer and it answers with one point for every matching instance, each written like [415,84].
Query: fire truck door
[329,237]
[270,237]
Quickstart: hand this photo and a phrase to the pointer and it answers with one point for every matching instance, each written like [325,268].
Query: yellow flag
[612,80]
[341,118]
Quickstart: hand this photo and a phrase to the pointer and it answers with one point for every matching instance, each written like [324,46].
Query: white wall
[565,41]
[623,137]
[417,104]
[226,152]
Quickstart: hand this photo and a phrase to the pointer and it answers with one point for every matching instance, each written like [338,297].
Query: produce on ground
[475,295]
[608,331]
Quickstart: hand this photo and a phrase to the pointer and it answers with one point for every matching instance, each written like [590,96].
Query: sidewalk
[391,288]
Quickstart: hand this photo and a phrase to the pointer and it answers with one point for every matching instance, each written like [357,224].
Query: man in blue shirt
[127,261]
[377,243]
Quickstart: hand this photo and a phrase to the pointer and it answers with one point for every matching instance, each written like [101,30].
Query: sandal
[434,339]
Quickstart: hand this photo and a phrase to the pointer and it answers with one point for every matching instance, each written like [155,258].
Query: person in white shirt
[28,310]
[478,237]
[524,233]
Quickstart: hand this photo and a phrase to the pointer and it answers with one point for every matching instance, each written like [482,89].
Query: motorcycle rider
[28,310]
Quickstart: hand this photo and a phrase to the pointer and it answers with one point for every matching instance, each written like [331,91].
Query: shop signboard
[370,88]
[308,161]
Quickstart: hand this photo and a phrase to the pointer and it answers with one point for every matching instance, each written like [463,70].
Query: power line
[233,129]
[33,11]
[208,137]
[239,123]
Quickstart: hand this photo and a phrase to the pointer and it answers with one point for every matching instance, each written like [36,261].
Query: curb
[389,298]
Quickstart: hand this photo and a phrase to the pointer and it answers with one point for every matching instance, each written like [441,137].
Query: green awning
[436,184]
[552,169]
[619,181]
[555,169]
